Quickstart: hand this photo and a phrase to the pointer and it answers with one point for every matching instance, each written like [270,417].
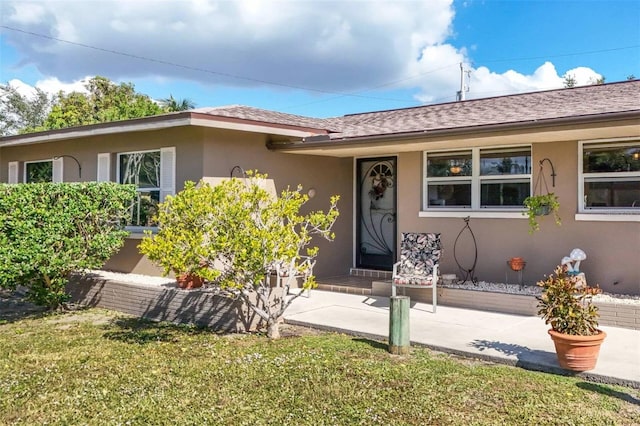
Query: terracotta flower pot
[517,263]
[189,281]
[577,353]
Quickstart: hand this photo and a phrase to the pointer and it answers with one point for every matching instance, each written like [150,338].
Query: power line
[562,55]
[255,80]
[163,62]
[291,86]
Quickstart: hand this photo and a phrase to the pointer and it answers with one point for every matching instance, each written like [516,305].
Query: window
[38,171]
[610,176]
[449,179]
[504,177]
[153,173]
[143,170]
[498,178]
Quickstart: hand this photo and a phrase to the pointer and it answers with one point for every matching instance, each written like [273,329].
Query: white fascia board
[80,133]
[249,127]
[154,125]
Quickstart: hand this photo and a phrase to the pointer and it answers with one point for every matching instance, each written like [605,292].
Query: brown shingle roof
[512,109]
[529,107]
[265,116]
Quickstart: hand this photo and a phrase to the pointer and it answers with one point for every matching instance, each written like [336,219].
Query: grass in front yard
[99,367]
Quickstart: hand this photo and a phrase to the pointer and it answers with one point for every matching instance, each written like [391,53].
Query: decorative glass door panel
[376,213]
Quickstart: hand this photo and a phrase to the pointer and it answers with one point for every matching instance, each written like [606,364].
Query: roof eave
[462,131]
[158,122]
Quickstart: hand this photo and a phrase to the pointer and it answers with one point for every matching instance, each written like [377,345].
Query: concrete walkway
[509,339]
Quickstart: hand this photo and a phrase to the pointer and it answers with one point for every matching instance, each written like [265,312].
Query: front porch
[479,333]
[373,283]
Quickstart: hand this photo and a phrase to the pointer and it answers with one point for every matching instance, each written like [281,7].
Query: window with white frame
[38,171]
[610,176]
[477,178]
[142,169]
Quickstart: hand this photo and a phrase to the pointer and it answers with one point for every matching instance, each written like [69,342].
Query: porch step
[349,284]
[370,273]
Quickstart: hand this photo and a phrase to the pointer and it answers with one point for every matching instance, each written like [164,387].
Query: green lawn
[99,367]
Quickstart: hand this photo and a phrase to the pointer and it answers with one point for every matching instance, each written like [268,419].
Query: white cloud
[442,85]
[327,45]
[583,75]
[49,85]
[27,13]
[53,85]
[336,46]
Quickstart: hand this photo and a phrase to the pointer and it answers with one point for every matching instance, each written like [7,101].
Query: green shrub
[235,234]
[49,230]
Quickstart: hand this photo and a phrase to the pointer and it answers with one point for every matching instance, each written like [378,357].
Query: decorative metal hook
[553,171]
[468,273]
[75,159]
[244,175]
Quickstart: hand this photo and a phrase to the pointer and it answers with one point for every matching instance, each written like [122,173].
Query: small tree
[239,236]
[48,231]
[569,81]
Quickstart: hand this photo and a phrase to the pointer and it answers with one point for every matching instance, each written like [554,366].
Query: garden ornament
[572,262]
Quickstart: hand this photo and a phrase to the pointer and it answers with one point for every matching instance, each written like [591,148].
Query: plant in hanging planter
[541,205]
[566,304]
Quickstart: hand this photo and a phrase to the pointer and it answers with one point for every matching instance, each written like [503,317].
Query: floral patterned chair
[419,261]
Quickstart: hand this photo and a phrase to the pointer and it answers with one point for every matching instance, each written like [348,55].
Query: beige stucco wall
[187,141]
[327,175]
[210,152]
[612,247]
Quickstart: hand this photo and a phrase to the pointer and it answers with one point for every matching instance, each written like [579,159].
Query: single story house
[422,169]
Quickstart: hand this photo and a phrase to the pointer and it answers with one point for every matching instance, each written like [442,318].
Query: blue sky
[318,58]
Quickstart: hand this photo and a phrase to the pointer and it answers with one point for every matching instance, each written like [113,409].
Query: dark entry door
[376,213]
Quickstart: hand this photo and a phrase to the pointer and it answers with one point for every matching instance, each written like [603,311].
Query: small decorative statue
[572,262]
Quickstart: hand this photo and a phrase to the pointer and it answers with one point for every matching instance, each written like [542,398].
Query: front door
[376,213]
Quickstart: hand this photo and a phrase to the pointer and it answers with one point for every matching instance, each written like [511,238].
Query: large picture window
[143,170]
[498,178]
[610,178]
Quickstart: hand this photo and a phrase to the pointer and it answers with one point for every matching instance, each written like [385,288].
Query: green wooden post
[399,341]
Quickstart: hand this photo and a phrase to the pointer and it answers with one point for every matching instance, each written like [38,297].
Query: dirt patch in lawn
[13,307]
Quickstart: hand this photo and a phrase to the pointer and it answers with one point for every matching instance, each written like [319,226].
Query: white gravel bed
[534,290]
[527,290]
[133,278]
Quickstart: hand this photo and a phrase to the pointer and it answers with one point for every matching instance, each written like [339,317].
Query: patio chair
[419,261]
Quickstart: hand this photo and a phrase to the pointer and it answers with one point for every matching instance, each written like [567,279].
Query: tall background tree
[172,104]
[104,101]
[22,113]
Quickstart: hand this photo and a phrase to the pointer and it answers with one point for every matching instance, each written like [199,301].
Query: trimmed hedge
[49,230]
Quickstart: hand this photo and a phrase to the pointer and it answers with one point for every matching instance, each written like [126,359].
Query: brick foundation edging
[167,302]
[611,314]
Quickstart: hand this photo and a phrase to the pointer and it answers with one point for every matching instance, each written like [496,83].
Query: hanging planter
[542,204]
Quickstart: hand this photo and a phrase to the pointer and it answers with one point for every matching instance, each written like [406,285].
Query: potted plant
[180,244]
[566,304]
[541,205]
[517,263]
